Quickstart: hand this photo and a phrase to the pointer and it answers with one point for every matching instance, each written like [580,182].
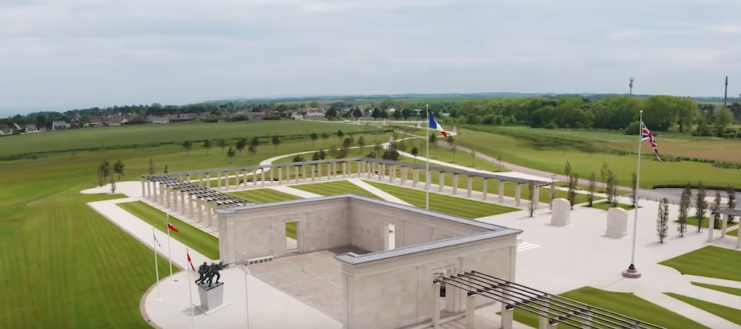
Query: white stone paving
[378,192]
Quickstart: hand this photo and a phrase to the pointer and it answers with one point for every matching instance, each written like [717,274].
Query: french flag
[434,125]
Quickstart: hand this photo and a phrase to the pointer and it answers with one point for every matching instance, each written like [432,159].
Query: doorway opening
[389,236]
[292,237]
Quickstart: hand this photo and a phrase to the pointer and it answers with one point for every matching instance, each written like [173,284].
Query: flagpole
[631,272]
[169,249]
[427,170]
[156,269]
[190,293]
[246,291]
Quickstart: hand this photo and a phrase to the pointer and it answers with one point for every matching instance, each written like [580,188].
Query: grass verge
[712,262]
[728,290]
[728,313]
[335,188]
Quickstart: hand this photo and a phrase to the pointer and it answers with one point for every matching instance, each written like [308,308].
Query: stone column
[303,173]
[470,311]
[710,230]
[470,186]
[167,196]
[415,177]
[724,226]
[435,307]
[344,170]
[319,169]
[392,173]
[199,203]
[518,189]
[190,204]
[501,191]
[208,180]
[485,189]
[149,189]
[440,181]
[262,176]
[218,179]
[588,321]
[271,175]
[144,192]
[280,175]
[209,216]
[455,184]
[507,317]
[381,171]
[182,202]
[536,197]
[358,164]
[334,170]
[403,175]
[313,174]
[227,179]
[543,321]
[370,165]
[296,172]
[428,181]
[200,179]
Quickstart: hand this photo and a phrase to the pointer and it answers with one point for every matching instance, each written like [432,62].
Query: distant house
[96,122]
[5,130]
[256,115]
[30,128]
[60,125]
[160,120]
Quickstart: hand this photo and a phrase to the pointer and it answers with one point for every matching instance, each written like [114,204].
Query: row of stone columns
[507,312]
[724,228]
[176,200]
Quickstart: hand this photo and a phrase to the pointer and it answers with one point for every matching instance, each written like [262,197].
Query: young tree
[165,169]
[531,196]
[119,169]
[255,141]
[332,151]
[731,201]
[207,145]
[315,156]
[276,141]
[433,142]
[714,210]
[314,137]
[614,188]
[105,170]
[567,169]
[499,161]
[603,171]
[187,145]
[113,185]
[241,144]
[325,136]
[700,206]
[553,192]
[592,186]
[252,150]
[101,178]
[473,156]
[231,152]
[346,144]
[361,143]
[222,144]
[415,152]
[573,181]
[608,185]
[684,209]
[151,166]
[298,158]
[340,134]
[662,229]
[322,155]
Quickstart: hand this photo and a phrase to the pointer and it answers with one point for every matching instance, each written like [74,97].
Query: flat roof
[729,211]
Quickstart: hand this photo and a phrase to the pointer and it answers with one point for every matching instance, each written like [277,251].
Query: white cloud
[98,53]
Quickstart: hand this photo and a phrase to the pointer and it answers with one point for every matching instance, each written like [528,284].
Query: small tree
[165,169]
[567,169]
[101,178]
[113,185]
[222,144]
[322,155]
[346,144]
[662,229]
[684,209]
[241,144]
[298,158]
[340,134]
[255,141]
[592,186]
[332,151]
[314,137]
[731,201]
[207,145]
[151,166]
[531,196]
[603,173]
[105,170]
[608,185]
[275,141]
[553,191]
[315,156]
[252,150]
[614,189]
[700,205]
[633,188]
[361,143]
[415,152]
[499,161]
[573,181]
[187,145]
[231,152]
[325,136]
[473,156]
[119,168]
[433,142]
[714,210]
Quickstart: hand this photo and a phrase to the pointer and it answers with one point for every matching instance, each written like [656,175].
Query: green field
[267,195]
[165,133]
[692,220]
[521,152]
[456,206]
[727,290]
[728,313]
[205,243]
[712,262]
[607,206]
[335,188]
[624,303]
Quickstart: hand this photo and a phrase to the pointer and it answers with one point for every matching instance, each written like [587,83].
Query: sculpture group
[207,272]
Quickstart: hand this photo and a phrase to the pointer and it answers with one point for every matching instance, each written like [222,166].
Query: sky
[65,54]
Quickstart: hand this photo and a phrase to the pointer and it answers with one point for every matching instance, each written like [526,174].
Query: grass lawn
[728,313]
[192,237]
[266,195]
[445,204]
[733,233]
[607,206]
[692,220]
[623,303]
[712,262]
[335,188]
[521,152]
[728,290]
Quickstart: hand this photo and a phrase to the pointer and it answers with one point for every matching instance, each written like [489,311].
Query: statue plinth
[212,298]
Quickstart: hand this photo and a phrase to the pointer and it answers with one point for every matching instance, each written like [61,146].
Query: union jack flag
[647,136]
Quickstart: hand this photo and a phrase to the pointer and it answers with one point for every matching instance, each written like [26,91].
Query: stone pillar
[507,317]
[381,170]
[319,168]
[501,191]
[271,175]
[536,197]
[470,186]
[190,204]
[543,321]
[587,320]
[440,181]
[226,179]
[295,179]
[182,202]
[415,177]
[313,174]
[358,164]
[370,165]
[218,179]
[484,189]
[149,189]
[208,212]
[334,169]
[200,179]
[144,192]
[280,175]
[724,226]
[471,311]
[455,184]
[262,177]
[710,230]
[303,173]
[428,181]
[392,173]
[435,307]
[199,203]
[167,196]
[518,189]
[208,180]
[344,170]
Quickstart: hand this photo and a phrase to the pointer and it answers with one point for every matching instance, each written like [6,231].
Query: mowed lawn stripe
[728,313]
[335,188]
[192,237]
[445,204]
[623,303]
[711,261]
[267,195]
[728,290]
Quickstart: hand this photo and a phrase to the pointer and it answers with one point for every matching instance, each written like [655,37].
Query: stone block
[212,298]
[617,223]
[561,213]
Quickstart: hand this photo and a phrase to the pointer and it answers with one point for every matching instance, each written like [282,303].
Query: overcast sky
[62,54]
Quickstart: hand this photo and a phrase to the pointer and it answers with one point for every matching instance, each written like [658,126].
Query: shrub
[551,125]
[633,128]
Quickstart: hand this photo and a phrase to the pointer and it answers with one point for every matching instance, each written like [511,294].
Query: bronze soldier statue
[214,271]
[203,273]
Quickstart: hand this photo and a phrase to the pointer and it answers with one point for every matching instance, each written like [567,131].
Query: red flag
[189,261]
[171,227]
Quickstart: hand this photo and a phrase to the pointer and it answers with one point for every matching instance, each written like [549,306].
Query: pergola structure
[378,168]
[552,310]
[726,213]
